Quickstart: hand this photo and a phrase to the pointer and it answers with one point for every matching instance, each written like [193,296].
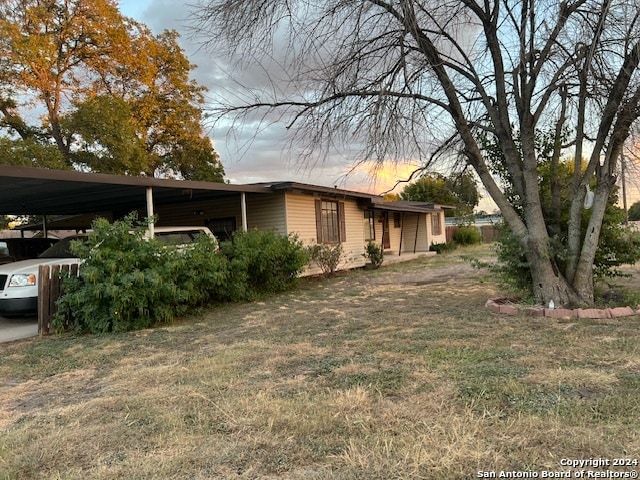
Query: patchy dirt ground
[394,373]
[438,273]
[457,271]
[429,269]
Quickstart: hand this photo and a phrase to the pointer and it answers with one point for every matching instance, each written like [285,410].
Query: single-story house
[323,215]
[316,214]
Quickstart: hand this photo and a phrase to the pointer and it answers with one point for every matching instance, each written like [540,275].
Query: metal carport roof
[38,191]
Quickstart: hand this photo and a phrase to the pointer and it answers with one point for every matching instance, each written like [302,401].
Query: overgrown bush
[201,274]
[128,283]
[262,261]
[467,235]
[512,268]
[618,246]
[326,256]
[374,253]
[443,247]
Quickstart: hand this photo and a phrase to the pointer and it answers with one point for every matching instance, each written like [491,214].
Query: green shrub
[618,245]
[326,256]
[127,283]
[634,212]
[374,253]
[262,261]
[512,268]
[443,247]
[467,235]
[201,274]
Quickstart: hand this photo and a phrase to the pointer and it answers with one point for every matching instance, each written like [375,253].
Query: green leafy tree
[634,212]
[618,245]
[115,97]
[109,143]
[459,191]
[30,153]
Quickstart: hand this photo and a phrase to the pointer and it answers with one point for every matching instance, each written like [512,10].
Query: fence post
[49,291]
[44,292]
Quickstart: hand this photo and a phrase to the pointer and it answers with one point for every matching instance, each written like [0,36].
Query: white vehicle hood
[31,266]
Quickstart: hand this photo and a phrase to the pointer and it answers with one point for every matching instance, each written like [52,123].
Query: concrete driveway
[17,328]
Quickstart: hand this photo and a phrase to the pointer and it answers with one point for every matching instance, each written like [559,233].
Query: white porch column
[150,210]
[243,203]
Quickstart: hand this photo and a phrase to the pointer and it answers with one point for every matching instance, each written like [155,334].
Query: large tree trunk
[548,282]
[583,280]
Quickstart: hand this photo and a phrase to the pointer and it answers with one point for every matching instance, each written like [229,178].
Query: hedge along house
[316,214]
[323,215]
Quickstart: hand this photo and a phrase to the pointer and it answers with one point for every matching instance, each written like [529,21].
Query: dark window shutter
[342,225]
[319,221]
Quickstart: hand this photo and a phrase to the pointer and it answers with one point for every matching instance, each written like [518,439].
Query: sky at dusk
[258,156]
[248,155]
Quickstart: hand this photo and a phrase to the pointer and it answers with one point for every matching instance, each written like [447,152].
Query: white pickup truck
[19,280]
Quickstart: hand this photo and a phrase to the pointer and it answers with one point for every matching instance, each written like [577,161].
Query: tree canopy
[416,79]
[82,86]
[459,191]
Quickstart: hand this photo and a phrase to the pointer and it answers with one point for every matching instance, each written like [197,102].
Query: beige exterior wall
[267,212]
[301,220]
[377,225]
[289,212]
[442,238]
[395,232]
[354,246]
[414,236]
[301,216]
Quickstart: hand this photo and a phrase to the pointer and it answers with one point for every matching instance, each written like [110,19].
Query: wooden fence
[489,232]
[49,288]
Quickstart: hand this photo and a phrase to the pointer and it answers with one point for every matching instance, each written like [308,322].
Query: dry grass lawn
[399,373]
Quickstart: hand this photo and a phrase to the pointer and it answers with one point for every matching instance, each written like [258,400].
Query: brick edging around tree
[504,306]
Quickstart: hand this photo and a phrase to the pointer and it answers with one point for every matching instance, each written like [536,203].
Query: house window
[330,221]
[436,225]
[369,225]
[222,228]
[396,220]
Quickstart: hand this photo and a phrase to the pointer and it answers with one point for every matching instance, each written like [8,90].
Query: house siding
[442,238]
[267,213]
[377,225]
[414,236]
[264,212]
[301,217]
[395,233]
[302,222]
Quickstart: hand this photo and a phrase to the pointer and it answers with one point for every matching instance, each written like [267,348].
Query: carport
[37,191]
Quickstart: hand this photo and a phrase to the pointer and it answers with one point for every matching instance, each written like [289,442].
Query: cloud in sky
[251,155]
[255,156]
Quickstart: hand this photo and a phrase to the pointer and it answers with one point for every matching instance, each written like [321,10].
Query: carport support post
[150,210]
[243,203]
